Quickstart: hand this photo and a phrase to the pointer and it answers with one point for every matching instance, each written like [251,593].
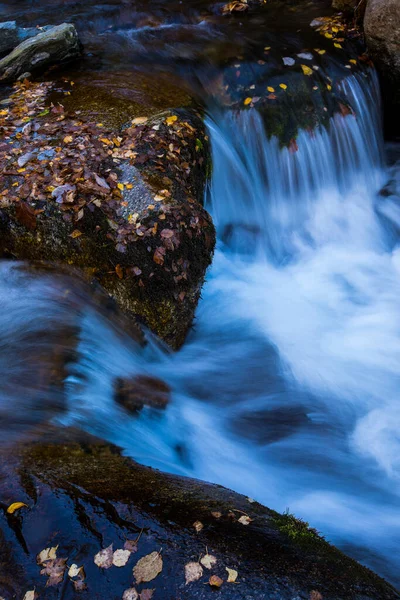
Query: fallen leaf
[198,525]
[148,567]
[283,86]
[130,594]
[120,272]
[15,506]
[353,61]
[55,570]
[75,571]
[288,61]
[25,214]
[139,121]
[216,514]
[104,558]
[208,561]
[120,186]
[193,572]
[171,120]
[306,70]
[247,101]
[337,45]
[46,554]
[245,520]
[271,89]
[315,595]
[232,575]
[68,139]
[146,594]
[131,545]
[121,557]
[31,595]
[321,51]
[75,234]
[305,55]
[215,581]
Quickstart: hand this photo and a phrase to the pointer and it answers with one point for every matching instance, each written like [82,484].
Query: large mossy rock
[382,33]
[50,47]
[82,496]
[125,206]
[11,35]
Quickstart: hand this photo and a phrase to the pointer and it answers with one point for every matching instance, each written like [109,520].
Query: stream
[287,388]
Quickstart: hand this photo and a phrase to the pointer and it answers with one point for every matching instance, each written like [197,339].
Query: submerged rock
[140,391]
[82,497]
[50,47]
[126,206]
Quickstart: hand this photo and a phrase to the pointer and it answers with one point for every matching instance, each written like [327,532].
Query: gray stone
[52,46]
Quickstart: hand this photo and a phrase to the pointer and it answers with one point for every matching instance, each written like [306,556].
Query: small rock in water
[140,391]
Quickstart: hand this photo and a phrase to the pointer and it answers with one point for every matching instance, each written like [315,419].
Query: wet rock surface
[52,46]
[125,205]
[82,496]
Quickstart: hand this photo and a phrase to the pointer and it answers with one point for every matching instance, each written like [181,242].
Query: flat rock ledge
[51,46]
[124,206]
[181,535]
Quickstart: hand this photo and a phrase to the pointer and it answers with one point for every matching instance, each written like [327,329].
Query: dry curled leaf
[193,572]
[232,575]
[198,525]
[245,520]
[55,570]
[208,561]
[46,554]
[121,557]
[146,594]
[31,595]
[148,567]
[104,558]
[130,594]
[15,506]
[215,581]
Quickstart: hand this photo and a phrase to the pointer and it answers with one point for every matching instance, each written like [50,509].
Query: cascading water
[287,388]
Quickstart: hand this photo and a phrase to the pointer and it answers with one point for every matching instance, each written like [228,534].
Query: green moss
[296,529]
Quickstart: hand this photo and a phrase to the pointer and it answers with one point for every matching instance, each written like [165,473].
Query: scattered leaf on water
[232,575]
[315,595]
[146,594]
[121,557]
[131,545]
[148,567]
[75,571]
[306,70]
[193,572]
[208,561]
[46,554]
[328,35]
[245,520]
[130,594]
[329,87]
[247,101]
[15,506]
[283,86]
[104,558]
[198,525]
[353,61]
[55,570]
[270,89]
[215,581]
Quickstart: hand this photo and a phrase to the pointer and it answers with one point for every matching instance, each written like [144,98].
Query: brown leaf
[158,256]
[25,214]
[148,567]
[55,570]
[119,271]
[315,595]
[146,594]
[245,520]
[75,234]
[215,581]
[166,233]
[131,545]
[198,525]
[193,572]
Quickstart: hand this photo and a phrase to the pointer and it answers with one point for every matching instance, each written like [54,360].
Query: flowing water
[287,389]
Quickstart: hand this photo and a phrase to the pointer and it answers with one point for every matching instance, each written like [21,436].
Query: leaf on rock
[171,120]
[130,594]
[215,581]
[104,558]
[247,101]
[15,506]
[75,234]
[68,139]
[46,554]
[245,520]
[283,86]
[208,561]
[232,575]
[198,525]
[148,567]
[55,570]
[31,595]
[75,571]
[271,89]
[193,572]
[26,215]
[139,121]
[121,557]
[119,271]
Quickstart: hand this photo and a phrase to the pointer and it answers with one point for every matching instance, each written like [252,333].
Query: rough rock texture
[344,5]
[124,206]
[83,496]
[54,46]
[382,33]
[11,35]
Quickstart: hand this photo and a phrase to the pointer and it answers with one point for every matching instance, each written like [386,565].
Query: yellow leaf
[15,506]
[232,575]
[129,186]
[171,120]
[328,35]
[353,61]
[247,101]
[47,554]
[68,139]
[267,48]
[337,45]
[120,186]
[148,567]
[320,51]
[329,87]
[4,112]
[21,170]
[76,233]
[283,86]
[306,70]
[99,125]
[270,89]
[106,141]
